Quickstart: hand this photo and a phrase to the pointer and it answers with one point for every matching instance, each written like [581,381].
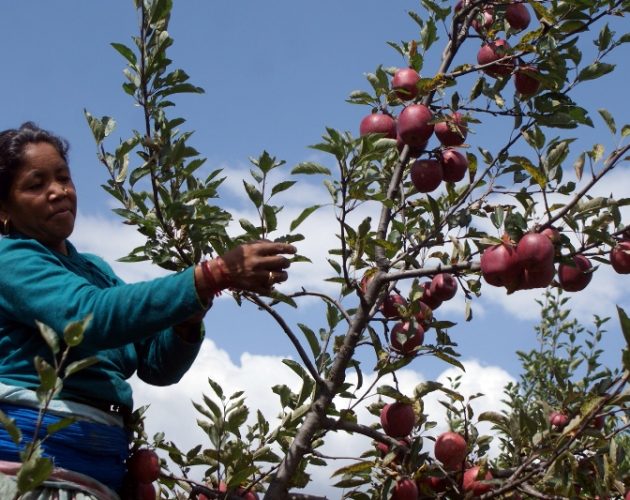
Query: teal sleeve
[163,358]
[41,288]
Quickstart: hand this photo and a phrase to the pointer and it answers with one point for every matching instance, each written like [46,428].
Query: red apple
[390,304]
[535,250]
[384,449]
[453,131]
[413,125]
[598,422]
[405,338]
[538,277]
[627,497]
[426,175]
[558,419]
[430,484]
[443,286]
[146,491]
[378,123]
[484,19]
[524,82]
[500,266]
[620,257]
[405,489]
[454,165]
[428,298]
[424,316]
[414,151]
[450,449]
[398,419]
[476,486]
[493,51]
[517,16]
[144,465]
[575,277]
[552,233]
[405,83]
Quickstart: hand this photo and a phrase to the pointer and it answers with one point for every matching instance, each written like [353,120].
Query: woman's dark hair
[12,144]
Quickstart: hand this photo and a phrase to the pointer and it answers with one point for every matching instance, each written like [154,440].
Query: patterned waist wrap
[96,444]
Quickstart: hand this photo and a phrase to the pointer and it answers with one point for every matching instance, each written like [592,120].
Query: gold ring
[271,279]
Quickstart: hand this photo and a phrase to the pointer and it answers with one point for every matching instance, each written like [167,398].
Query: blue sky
[275,74]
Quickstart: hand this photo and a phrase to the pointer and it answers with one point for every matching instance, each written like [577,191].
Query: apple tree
[422,212]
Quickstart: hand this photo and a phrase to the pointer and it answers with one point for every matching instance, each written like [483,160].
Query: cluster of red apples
[416,124]
[530,263]
[143,467]
[398,420]
[408,333]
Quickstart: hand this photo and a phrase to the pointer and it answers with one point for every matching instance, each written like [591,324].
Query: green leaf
[625,131]
[9,425]
[310,168]
[254,194]
[425,388]
[578,166]
[625,324]
[311,339]
[297,368]
[363,466]
[428,33]
[608,118]
[269,216]
[73,333]
[126,52]
[595,71]
[300,218]
[282,186]
[60,425]
[47,374]
[237,418]
[80,365]
[537,174]
[49,335]
[33,473]
[449,359]
[494,417]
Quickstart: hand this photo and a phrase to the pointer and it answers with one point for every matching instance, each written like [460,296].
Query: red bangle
[225,273]
[213,288]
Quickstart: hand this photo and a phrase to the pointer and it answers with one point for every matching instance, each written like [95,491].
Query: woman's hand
[254,267]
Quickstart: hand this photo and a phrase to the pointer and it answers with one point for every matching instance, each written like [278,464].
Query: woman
[153,328]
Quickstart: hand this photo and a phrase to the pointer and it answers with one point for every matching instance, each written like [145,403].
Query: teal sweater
[130,329]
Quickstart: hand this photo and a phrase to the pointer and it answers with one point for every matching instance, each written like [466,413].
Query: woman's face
[42,201]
